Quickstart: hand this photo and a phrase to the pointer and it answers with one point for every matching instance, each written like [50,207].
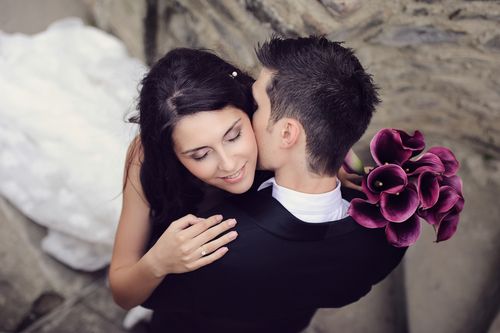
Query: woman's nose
[227,162]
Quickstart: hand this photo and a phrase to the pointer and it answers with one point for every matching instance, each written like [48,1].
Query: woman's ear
[290,132]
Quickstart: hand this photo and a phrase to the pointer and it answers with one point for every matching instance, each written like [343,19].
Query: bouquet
[405,186]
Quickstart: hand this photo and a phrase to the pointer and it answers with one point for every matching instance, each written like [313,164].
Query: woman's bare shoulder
[133,164]
[135,153]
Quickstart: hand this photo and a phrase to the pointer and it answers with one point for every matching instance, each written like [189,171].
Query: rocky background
[437,63]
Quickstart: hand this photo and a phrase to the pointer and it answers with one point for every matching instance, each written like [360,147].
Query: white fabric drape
[64,94]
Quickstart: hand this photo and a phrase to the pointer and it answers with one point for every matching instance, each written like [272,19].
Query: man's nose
[227,162]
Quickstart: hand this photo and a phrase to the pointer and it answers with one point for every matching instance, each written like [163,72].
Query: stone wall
[437,63]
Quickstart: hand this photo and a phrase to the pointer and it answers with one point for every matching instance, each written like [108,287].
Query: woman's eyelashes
[231,137]
[196,158]
[199,155]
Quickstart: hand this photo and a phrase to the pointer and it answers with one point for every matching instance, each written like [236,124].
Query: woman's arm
[133,274]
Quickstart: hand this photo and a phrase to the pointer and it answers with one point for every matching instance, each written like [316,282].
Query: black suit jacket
[276,274]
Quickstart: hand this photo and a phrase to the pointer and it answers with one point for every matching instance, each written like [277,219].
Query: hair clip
[233,74]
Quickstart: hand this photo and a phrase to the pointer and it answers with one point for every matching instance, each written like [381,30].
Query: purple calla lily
[414,142]
[387,147]
[400,190]
[448,227]
[372,197]
[453,181]
[428,189]
[448,197]
[448,159]
[405,233]
[426,162]
[389,178]
[400,206]
[366,214]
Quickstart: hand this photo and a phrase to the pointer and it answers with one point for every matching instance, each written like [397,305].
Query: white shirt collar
[313,208]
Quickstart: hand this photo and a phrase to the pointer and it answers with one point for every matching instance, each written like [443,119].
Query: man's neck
[304,182]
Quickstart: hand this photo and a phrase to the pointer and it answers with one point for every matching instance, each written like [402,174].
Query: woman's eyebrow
[227,132]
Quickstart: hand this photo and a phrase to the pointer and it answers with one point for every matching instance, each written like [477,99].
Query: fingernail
[218,218]
[231,222]
[232,234]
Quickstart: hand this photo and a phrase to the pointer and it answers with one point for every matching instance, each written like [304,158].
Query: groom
[297,249]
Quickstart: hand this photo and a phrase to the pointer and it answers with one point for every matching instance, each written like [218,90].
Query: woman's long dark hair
[183,82]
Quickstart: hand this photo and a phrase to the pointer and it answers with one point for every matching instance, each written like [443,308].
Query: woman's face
[218,147]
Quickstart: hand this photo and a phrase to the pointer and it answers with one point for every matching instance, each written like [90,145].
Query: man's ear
[290,132]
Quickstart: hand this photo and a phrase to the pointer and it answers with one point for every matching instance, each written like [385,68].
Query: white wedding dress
[64,96]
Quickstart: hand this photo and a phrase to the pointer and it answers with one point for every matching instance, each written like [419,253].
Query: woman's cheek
[251,143]
[196,168]
[207,168]
[244,147]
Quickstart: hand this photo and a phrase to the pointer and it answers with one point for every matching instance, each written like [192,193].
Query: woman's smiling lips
[235,177]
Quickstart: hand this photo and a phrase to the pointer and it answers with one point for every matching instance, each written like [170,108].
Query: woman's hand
[190,243]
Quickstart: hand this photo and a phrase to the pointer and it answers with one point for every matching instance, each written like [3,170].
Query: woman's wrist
[150,262]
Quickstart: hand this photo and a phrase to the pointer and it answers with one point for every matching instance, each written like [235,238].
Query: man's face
[263,129]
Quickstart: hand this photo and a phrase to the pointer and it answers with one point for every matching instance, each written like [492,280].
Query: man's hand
[350,180]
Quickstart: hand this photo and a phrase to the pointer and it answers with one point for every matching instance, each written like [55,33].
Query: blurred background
[66,86]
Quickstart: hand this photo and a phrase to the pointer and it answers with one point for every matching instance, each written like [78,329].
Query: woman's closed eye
[200,155]
[233,136]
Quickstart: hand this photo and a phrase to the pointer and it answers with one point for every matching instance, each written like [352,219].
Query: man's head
[317,86]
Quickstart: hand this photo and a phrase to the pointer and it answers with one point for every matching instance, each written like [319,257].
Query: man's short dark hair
[321,84]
